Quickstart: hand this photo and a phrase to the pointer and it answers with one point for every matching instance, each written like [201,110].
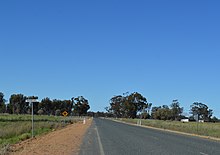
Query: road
[106,137]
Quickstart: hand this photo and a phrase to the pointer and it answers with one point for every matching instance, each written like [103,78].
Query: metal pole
[32,119]
[32,100]
[198,125]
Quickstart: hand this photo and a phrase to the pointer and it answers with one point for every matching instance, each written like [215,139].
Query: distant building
[184,120]
[201,121]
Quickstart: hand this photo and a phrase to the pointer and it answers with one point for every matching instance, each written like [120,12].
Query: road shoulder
[64,141]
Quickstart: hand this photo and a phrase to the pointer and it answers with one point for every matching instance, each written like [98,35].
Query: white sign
[31,100]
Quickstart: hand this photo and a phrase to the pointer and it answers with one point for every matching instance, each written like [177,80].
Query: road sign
[31,100]
[65,113]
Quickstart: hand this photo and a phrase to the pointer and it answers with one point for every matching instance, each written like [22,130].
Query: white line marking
[100,143]
[203,153]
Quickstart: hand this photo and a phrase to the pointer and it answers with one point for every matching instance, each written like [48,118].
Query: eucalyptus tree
[2,103]
[201,111]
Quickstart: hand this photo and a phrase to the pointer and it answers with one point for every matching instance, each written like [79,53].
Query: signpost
[65,113]
[32,100]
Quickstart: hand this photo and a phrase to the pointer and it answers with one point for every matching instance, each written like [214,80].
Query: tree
[176,110]
[2,103]
[57,105]
[161,113]
[128,105]
[81,106]
[165,113]
[36,107]
[18,104]
[201,110]
[46,106]
[215,119]
[67,106]
[116,103]
[154,113]
[137,103]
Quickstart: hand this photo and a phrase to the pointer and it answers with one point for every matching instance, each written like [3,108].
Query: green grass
[204,129]
[15,118]
[15,128]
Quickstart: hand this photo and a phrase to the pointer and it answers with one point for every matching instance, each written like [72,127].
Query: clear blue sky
[163,49]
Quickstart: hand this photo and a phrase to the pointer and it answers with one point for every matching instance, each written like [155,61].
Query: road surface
[106,137]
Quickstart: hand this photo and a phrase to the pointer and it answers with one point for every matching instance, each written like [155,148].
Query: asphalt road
[106,137]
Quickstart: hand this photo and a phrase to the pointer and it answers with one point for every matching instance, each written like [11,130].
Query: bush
[57,112]
[40,112]
[25,136]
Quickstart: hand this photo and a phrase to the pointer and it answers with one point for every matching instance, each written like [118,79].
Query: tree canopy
[201,111]
[18,105]
[128,105]
[80,105]
[2,103]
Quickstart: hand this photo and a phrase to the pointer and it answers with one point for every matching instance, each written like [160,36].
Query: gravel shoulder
[65,141]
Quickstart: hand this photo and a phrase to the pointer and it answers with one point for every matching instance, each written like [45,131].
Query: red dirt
[65,141]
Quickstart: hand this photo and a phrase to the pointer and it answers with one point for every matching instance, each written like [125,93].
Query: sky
[164,50]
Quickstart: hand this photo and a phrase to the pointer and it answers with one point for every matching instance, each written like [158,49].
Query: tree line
[135,105]
[18,105]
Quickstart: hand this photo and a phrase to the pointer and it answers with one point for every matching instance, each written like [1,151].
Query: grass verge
[15,128]
[203,129]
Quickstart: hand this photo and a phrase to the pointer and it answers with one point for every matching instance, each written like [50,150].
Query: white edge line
[203,153]
[100,143]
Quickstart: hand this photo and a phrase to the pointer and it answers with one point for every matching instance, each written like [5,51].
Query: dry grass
[15,128]
[205,129]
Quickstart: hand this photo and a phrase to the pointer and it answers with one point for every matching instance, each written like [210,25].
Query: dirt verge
[65,141]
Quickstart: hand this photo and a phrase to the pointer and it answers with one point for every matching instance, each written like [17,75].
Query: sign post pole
[31,101]
[32,119]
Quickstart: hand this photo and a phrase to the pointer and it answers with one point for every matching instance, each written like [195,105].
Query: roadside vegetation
[204,129]
[15,116]
[15,128]
[135,107]
[18,105]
